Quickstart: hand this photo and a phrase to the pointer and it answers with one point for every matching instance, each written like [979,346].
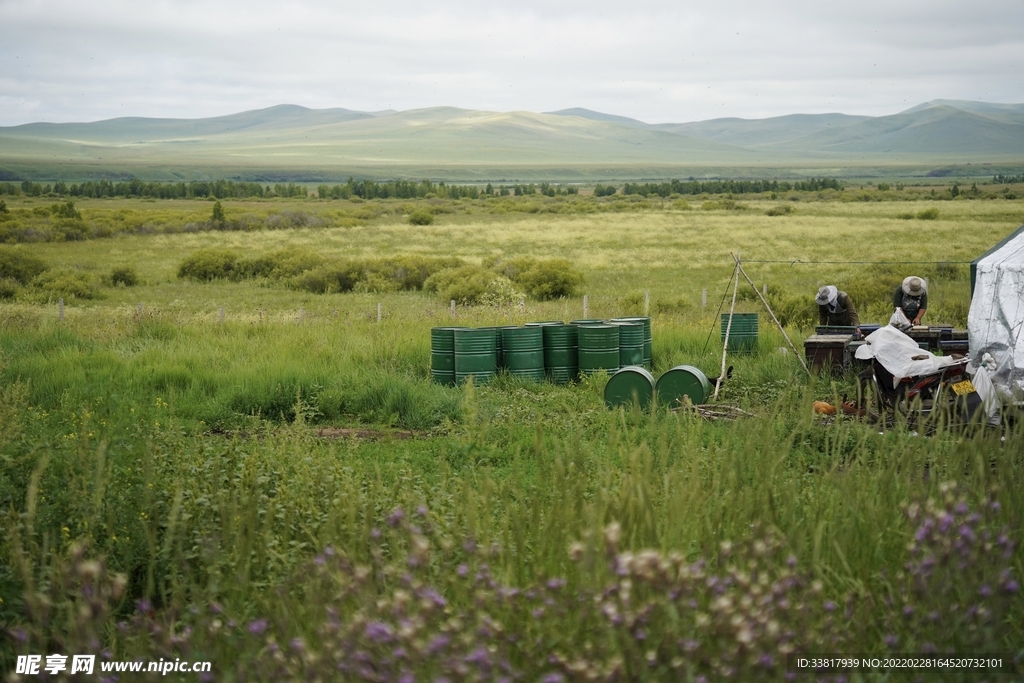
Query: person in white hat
[911,297]
[836,308]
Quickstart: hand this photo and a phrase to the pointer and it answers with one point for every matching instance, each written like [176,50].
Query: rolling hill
[293,142]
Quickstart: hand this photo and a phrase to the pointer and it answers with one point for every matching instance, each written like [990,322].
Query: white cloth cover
[896,352]
[989,397]
[996,318]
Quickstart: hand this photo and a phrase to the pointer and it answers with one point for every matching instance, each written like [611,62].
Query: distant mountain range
[289,141]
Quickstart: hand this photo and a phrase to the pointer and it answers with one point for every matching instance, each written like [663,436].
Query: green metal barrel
[442,355]
[587,321]
[648,338]
[743,333]
[475,355]
[598,348]
[544,323]
[561,353]
[497,345]
[682,380]
[631,343]
[524,351]
[629,385]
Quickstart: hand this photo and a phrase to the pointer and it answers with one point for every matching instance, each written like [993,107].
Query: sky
[678,61]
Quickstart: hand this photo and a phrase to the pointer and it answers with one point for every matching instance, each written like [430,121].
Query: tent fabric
[900,355]
[995,323]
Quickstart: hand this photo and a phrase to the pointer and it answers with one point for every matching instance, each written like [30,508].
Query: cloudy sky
[677,61]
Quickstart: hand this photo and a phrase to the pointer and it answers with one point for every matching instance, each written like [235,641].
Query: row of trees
[1001,179]
[729,186]
[401,189]
[221,189]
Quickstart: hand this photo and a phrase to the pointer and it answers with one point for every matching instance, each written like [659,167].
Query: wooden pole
[452,308]
[586,307]
[704,298]
[647,302]
[728,329]
[60,308]
[379,312]
[221,312]
[774,319]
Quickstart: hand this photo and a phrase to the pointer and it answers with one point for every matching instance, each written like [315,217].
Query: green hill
[292,142]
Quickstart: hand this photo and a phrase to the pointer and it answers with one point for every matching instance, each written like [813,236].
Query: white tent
[995,323]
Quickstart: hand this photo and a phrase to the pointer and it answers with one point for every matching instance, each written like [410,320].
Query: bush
[409,272]
[125,275]
[280,264]
[512,268]
[551,279]
[780,210]
[17,265]
[9,288]
[341,276]
[501,292]
[928,214]
[68,283]
[66,210]
[209,264]
[465,284]
[421,217]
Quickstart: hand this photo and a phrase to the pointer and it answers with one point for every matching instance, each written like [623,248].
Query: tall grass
[164,492]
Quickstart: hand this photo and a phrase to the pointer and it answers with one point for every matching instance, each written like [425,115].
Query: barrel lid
[586,321]
[629,384]
[682,380]
[543,323]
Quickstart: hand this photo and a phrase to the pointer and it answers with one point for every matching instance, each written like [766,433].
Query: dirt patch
[345,433]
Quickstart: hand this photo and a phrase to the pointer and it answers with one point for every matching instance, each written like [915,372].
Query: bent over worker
[836,308]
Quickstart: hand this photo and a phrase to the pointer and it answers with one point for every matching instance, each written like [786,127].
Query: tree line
[221,189]
[1001,179]
[691,186]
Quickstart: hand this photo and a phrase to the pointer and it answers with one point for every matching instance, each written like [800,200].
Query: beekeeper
[836,308]
[911,298]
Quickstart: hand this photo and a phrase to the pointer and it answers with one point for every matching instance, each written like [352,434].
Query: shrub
[780,210]
[421,217]
[604,191]
[17,265]
[341,276]
[9,288]
[501,292]
[409,272]
[905,216]
[217,216]
[928,214]
[632,303]
[66,210]
[512,268]
[125,275]
[551,279]
[209,264]
[280,264]
[68,283]
[465,284]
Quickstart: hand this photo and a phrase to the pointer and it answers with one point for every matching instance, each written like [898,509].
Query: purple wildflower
[379,632]
[438,642]
[463,571]
[396,517]
[421,511]
[258,626]
[553,677]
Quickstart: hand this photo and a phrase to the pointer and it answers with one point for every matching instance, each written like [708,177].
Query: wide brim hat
[826,295]
[914,286]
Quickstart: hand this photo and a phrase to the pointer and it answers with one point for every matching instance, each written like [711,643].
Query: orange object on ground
[822,408]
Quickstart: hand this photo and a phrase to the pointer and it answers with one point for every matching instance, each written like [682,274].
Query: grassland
[165,492]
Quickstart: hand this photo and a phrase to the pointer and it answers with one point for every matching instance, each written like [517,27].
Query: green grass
[164,456]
